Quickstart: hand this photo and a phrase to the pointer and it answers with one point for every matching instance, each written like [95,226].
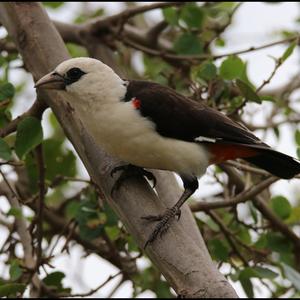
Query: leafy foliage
[254,244]
[188,43]
[5,151]
[29,135]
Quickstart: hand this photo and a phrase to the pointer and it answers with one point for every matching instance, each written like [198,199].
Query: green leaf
[276,132]
[7,91]
[297,137]
[192,15]
[207,71]
[292,275]
[294,216]
[11,289]
[132,246]
[253,211]
[2,60]
[212,225]
[54,279]
[254,272]
[171,15]
[155,67]
[298,152]
[281,206]
[219,42]
[287,53]
[244,236]
[248,92]
[5,117]
[247,286]
[111,216]
[261,272]
[278,243]
[162,290]
[5,151]
[53,5]
[113,232]
[15,272]
[268,98]
[29,135]
[262,242]
[58,160]
[188,44]
[72,209]
[232,68]
[91,223]
[257,272]
[218,249]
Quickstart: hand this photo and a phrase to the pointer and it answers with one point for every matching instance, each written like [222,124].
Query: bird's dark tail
[276,163]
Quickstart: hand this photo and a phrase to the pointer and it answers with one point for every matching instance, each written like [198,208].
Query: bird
[152,126]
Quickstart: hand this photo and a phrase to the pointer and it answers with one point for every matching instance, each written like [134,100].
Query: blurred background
[253,24]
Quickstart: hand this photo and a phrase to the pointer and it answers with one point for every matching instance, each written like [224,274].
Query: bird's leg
[190,186]
[130,171]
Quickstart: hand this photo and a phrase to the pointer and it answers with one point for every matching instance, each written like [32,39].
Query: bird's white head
[85,78]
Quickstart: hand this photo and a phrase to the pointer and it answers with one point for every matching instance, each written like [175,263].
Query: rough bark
[181,255]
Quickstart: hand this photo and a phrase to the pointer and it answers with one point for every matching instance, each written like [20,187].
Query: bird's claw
[117,169]
[150,177]
[130,171]
[164,223]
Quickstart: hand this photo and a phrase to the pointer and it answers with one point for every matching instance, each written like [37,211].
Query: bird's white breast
[120,129]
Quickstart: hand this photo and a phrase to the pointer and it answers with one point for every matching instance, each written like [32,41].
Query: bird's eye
[74,74]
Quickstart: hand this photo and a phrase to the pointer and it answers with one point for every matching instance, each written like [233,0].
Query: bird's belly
[130,137]
[151,151]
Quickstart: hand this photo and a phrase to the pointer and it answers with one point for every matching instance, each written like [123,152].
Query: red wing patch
[136,103]
[225,152]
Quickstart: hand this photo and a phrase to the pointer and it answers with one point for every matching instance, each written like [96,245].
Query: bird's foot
[130,171]
[164,223]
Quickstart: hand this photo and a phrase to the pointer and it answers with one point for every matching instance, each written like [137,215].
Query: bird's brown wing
[179,117]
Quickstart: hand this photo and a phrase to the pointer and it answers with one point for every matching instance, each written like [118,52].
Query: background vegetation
[49,205]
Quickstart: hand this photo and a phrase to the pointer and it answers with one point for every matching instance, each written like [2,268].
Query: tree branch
[193,59]
[40,203]
[122,17]
[21,226]
[36,110]
[7,46]
[240,198]
[275,222]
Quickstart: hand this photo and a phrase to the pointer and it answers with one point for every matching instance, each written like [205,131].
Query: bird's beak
[51,81]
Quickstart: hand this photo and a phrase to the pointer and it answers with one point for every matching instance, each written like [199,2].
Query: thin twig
[276,223]
[196,58]
[250,169]
[228,235]
[121,18]
[36,110]
[294,119]
[51,251]
[114,290]
[93,291]
[40,203]
[219,29]
[240,198]
[278,63]
[10,187]
[246,168]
